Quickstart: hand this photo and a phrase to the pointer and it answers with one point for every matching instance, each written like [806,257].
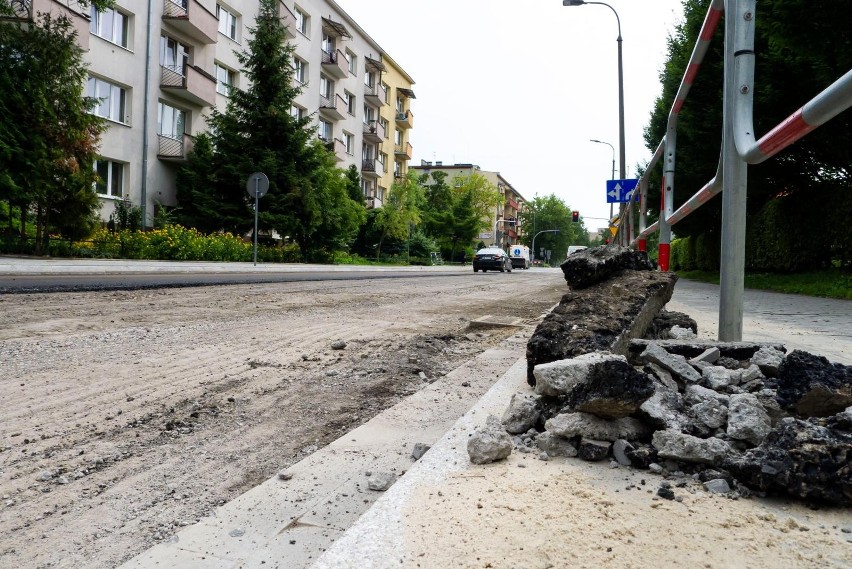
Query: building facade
[160,66]
[506,222]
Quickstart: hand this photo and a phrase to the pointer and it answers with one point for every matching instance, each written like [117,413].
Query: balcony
[375,95]
[190,83]
[335,64]
[512,233]
[78,16]
[191,19]
[174,149]
[403,150]
[336,147]
[405,119]
[512,204]
[333,107]
[288,18]
[372,168]
[374,203]
[374,132]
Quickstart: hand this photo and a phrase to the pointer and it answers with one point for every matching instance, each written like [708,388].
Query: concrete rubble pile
[739,417]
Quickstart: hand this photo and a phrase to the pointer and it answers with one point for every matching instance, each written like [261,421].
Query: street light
[613,166]
[621,162]
[539,233]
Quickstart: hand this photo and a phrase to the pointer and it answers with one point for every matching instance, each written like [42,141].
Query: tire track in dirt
[206,411]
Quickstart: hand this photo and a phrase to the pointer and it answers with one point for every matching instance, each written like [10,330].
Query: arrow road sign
[619,191]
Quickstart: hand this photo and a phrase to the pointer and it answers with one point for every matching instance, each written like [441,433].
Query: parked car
[492,258]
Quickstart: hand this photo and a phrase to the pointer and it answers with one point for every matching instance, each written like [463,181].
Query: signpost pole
[256,198]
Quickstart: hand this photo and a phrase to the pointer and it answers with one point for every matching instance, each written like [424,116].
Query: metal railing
[739,149]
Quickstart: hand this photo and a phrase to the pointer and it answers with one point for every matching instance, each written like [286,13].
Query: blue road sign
[620,191]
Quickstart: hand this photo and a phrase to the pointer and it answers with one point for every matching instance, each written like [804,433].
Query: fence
[739,149]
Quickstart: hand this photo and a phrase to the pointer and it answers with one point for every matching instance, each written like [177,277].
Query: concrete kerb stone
[297,516]
[378,538]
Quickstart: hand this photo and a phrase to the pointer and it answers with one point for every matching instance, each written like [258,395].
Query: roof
[335,28]
[407,92]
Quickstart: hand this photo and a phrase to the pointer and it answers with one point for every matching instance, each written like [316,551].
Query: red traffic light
[575,216]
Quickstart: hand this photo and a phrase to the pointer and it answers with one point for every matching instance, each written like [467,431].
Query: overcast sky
[521,87]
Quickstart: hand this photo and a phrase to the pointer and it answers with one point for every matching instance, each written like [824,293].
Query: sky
[521,87]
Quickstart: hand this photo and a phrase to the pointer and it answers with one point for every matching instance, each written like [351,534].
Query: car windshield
[490,251]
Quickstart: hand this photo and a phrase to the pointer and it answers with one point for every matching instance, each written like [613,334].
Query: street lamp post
[613,168]
[539,233]
[621,162]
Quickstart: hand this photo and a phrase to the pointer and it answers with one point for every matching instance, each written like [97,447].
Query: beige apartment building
[160,66]
[506,222]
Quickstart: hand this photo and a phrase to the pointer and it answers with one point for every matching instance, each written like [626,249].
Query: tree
[484,197]
[48,137]
[400,211]
[257,132]
[793,64]
[550,212]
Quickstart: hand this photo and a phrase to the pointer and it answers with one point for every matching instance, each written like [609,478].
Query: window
[110,25]
[397,169]
[387,92]
[369,79]
[353,62]
[328,43]
[350,102]
[225,79]
[325,131]
[397,137]
[302,21]
[171,122]
[326,87]
[297,113]
[349,143]
[112,99]
[300,70]
[111,174]
[384,123]
[367,151]
[383,158]
[227,22]
[369,114]
[367,188]
[400,105]
[173,54]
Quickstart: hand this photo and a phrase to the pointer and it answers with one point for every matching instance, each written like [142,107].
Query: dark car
[492,258]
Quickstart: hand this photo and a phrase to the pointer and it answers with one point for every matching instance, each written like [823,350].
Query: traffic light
[575,217]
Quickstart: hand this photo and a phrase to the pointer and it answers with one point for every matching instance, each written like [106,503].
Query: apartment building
[160,66]
[506,221]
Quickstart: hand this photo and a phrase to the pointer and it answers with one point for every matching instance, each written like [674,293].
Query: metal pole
[256,197]
[621,151]
[147,98]
[539,233]
[734,180]
[612,177]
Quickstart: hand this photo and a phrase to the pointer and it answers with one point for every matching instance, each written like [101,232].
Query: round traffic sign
[257,183]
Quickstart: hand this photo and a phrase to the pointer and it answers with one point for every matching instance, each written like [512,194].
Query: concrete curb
[291,523]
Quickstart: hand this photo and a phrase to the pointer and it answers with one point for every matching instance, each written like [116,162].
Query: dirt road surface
[126,415]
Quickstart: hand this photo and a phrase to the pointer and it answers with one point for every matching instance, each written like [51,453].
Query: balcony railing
[191,18]
[335,64]
[189,83]
[375,94]
[174,148]
[405,119]
[512,204]
[374,131]
[336,147]
[371,168]
[288,18]
[374,202]
[403,150]
[333,106]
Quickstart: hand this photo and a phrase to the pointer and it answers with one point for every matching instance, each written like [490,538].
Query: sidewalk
[60,266]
